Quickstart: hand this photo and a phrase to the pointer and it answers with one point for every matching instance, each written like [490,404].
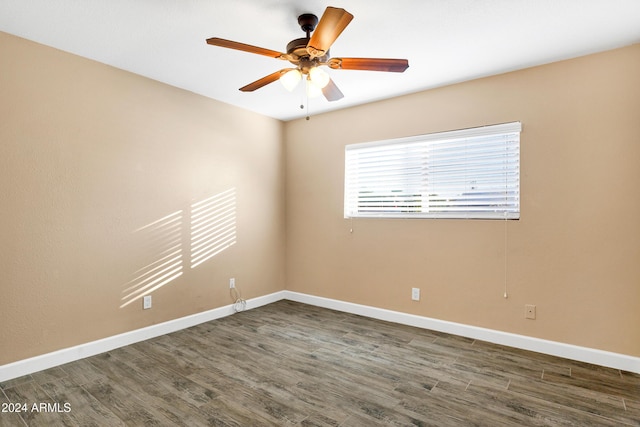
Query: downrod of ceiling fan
[308,22]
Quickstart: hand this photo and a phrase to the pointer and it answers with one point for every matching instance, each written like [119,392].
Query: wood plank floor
[293,364]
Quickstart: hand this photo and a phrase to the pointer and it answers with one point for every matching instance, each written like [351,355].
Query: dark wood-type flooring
[292,364]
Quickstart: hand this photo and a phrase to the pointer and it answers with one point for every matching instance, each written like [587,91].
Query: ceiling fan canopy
[309,53]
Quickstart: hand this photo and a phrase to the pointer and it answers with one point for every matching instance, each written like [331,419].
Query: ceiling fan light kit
[310,53]
[313,90]
[290,79]
[319,77]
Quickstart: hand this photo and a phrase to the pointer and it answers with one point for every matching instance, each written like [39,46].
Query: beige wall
[92,158]
[89,154]
[575,252]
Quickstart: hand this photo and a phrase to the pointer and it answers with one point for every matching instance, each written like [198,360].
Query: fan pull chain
[506,265]
[304,95]
[301,98]
[306,91]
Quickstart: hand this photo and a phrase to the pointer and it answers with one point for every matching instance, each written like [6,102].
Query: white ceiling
[445,41]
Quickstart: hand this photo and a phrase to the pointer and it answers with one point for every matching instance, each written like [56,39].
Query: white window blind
[468,173]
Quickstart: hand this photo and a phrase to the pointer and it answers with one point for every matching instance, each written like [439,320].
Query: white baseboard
[66,355]
[553,348]
[582,354]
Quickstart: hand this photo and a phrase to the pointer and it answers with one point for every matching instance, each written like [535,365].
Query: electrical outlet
[415,294]
[530,311]
[146,302]
[232,283]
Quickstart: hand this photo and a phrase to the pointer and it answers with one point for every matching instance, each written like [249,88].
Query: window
[469,173]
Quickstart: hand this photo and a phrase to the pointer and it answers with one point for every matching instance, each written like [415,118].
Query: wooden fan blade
[264,81]
[331,25]
[331,92]
[215,41]
[369,64]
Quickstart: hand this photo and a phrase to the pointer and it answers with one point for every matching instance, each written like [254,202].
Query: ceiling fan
[308,54]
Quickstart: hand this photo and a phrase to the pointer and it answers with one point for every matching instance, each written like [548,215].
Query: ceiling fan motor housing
[298,48]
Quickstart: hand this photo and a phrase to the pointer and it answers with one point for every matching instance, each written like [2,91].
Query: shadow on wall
[170,246]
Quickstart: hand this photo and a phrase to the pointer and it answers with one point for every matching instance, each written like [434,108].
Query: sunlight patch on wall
[163,243]
[213,226]
[194,236]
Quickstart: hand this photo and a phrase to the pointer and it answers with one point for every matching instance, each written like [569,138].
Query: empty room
[269,213]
